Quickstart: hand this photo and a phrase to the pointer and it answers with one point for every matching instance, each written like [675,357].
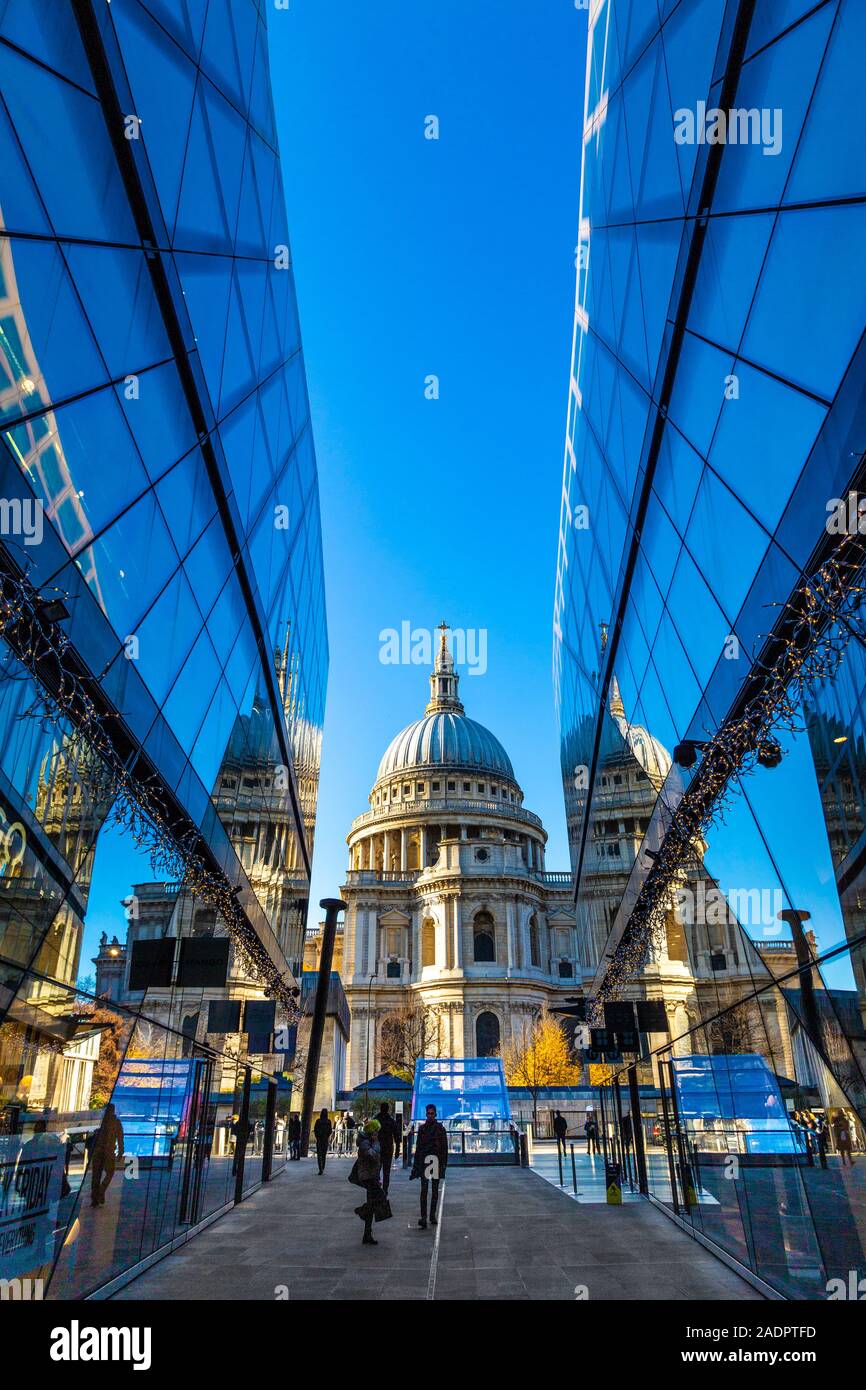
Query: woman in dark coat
[368,1166]
[322,1131]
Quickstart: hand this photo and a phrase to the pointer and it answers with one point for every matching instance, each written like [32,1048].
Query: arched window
[428,942]
[483,937]
[486,1034]
[534,941]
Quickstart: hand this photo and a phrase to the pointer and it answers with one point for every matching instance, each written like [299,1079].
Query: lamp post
[332,907]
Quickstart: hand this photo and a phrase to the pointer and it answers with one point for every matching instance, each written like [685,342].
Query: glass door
[670,1139]
[196,1141]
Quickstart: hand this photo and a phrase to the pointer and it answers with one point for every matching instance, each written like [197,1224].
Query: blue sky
[455,258]
[415,257]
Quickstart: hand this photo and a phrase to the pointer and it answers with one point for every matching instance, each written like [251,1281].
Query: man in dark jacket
[322,1132]
[626,1133]
[242,1135]
[560,1129]
[389,1139]
[822,1135]
[590,1129]
[295,1135]
[430,1162]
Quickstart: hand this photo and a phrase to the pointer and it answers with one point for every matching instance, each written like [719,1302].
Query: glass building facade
[709,644]
[163,643]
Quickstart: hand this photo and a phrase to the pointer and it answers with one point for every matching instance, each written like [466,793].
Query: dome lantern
[444,737]
[444,680]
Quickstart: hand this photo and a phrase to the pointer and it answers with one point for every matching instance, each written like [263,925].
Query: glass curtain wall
[711,497]
[163,643]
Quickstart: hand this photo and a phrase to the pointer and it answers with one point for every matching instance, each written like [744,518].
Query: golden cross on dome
[443,628]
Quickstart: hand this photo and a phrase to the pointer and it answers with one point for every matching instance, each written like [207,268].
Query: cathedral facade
[452,916]
[450,908]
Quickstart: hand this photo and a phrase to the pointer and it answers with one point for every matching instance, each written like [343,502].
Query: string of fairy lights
[137,800]
[813,631]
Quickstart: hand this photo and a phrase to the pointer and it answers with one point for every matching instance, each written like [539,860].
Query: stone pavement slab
[504,1233]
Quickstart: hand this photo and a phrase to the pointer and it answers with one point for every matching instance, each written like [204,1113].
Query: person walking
[106,1150]
[560,1130]
[294,1135]
[842,1132]
[430,1162]
[821,1136]
[388,1142]
[626,1133]
[241,1136]
[590,1129]
[366,1173]
[322,1131]
[338,1132]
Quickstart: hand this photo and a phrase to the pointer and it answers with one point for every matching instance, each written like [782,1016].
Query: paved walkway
[504,1234]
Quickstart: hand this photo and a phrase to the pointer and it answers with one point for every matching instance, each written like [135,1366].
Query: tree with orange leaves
[540,1056]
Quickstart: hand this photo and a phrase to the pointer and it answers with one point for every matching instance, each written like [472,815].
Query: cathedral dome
[652,755]
[445,738]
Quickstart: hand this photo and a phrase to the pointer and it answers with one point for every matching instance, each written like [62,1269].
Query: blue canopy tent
[385,1081]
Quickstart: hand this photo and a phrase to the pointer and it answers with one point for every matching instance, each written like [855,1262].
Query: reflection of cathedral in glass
[701,962]
[159,528]
[839,755]
[253,796]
